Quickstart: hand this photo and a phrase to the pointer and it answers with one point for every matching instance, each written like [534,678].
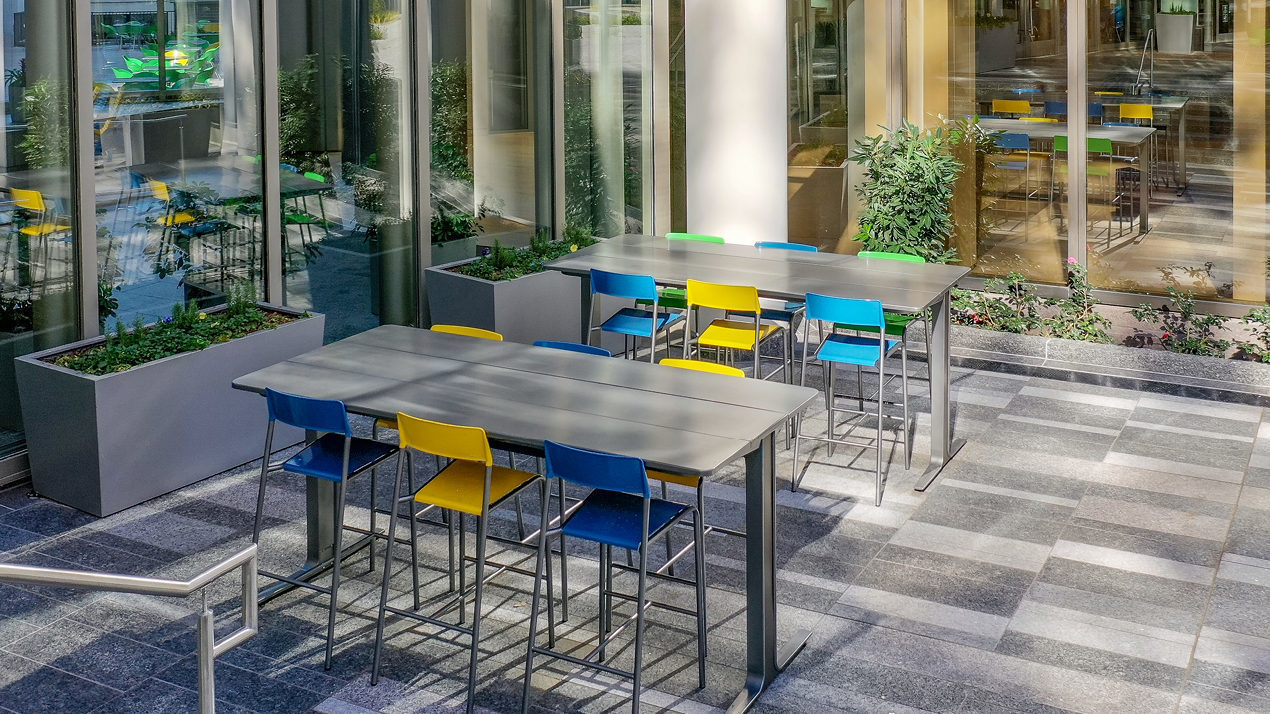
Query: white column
[736,119]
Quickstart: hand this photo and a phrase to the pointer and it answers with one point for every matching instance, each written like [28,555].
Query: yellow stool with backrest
[731,334]
[470,485]
[1011,106]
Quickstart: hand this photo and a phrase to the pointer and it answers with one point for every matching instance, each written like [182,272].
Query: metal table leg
[942,444]
[764,659]
[586,301]
[1144,186]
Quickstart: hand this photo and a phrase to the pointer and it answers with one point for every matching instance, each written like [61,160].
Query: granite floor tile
[29,687]
[98,656]
[46,518]
[1044,439]
[159,697]
[1145,458]
[1002,524]
[1121,637]
[1133,562]
[983,547]
[233,684]
[1100,416]
[1194,551]
[1104,580]
[962,593]
[1015,578]
[1092,660]
[1116,607]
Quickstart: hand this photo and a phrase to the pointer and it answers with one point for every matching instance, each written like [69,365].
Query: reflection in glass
[177,168]
[37,267]
[346,182]
[607,104]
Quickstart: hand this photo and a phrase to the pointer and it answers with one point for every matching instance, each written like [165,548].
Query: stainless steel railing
[208,647]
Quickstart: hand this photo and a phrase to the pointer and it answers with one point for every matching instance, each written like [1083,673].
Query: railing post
[206,661]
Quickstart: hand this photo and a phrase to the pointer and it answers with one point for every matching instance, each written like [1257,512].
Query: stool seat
[324,458]
[896,323]
[461,485]
[850,349]
[637,323]
[616,519]
[734,334]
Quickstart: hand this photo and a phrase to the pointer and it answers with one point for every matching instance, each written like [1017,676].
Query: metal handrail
[208,647]
[1147,47]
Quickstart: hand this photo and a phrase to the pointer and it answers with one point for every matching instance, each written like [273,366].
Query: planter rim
[445,268]
[38,358]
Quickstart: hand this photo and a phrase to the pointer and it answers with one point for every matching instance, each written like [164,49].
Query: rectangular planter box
[105,443]
[1173,33]
[996,48]
[11,346]
[542,306]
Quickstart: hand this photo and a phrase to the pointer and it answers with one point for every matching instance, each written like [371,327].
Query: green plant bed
[187,330]
[505,263]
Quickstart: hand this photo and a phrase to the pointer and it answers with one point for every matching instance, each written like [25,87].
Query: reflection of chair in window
[298,213]
[1102,178]
[1016,160]
[38,220]
[1144,115]
[1017,107]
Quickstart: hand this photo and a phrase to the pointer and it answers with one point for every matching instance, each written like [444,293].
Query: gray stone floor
[1090,549]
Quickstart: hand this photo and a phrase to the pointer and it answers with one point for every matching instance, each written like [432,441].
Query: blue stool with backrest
[333,455]
[632,322]
[859,351]
[785,311]
[574,347]
[620,512]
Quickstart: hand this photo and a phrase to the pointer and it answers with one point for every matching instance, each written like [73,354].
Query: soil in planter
[824,155]
[185,332]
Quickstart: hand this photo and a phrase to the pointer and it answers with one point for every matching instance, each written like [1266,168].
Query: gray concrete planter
[997,48]
[12,345]
[813,132]
[453,251]
[1117,365]
[541,306]
[105,443]
[1173,32]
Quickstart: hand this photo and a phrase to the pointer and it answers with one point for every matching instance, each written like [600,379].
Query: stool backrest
[325,415]
[450,441]
[782,245]
[160,191]
[699,366]
[884,255]
[28,199]
[827,308]
[732,298]
[623,285]
[698,237]
[1137,111]
[1055,108]
[574,347]
[595,469]
[1011,106]
[1014,142]
[468,332]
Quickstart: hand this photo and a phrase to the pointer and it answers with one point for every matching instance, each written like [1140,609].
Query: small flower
[1165,336]
[1071,260]
[573,249]
[202,316]
[167,319]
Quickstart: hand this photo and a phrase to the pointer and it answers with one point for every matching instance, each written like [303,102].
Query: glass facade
[176,154]
[39,276]
[1174,135]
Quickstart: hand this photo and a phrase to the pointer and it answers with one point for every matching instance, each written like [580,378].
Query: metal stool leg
[639,624]
[341,491]
[482,522]
[564,555]
[699,534]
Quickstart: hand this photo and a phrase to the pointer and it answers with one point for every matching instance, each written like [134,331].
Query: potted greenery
[454,234]
[817,210]
[910,175]
[1174,28]
[511,292]
[996,42]
[120,419]
[47,142]
[15,82]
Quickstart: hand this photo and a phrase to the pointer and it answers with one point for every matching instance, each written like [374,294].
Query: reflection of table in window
[1170,107]
[1121,136]
[228,182]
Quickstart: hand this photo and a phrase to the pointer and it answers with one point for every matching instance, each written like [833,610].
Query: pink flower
[1165,336]
[1071,260]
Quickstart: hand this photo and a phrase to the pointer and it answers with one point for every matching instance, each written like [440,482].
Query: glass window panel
[1189,197]
[177,153]
[607,116]
[347,196]
[38,305]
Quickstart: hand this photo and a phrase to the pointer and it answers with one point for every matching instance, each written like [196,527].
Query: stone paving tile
[1083,543]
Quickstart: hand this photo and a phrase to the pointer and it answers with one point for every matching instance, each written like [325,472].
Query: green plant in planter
[1258,322]
[450,225]
[1182,328]
[990,22]
[1006,304]
[450,120]
[909,179]
[1177,9]
[47,141]
[16,314]
[505,263]
[1075,317]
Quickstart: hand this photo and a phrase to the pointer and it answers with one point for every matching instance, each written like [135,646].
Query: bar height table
[790,275]
[677,421]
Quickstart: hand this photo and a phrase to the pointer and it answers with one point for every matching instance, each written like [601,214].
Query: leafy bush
[989,22]
[449,225]
[505,263]
[449,120]
[187,330]
[1076,318]
[1183,329]
[1006,304]
[1258,321]
[909,179]
[47,141]
[16,314]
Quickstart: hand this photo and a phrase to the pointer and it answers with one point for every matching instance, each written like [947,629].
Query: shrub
[1075,317]
[1182,328]
[1258,321]
[505,263]
[1006,304]
[909,179]
[187,330]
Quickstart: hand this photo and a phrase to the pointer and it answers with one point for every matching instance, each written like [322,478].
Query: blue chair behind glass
[859,351]
[632,322]
[334,455]
[619,512]
[574,347]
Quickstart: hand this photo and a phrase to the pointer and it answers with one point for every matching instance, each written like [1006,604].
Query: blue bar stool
[859,351]
[334,455]
[574,347]
[619,512]
[632,322]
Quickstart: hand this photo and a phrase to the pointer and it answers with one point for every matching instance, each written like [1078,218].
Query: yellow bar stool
[1021,107]
[391,425]
[470,485]
[728,333]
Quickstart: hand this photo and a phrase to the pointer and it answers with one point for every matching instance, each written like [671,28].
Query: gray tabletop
[787,274]
[228,180]
[1129,135]
[676,420]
